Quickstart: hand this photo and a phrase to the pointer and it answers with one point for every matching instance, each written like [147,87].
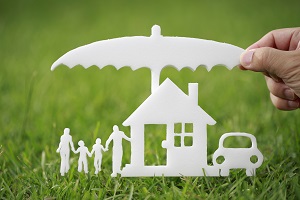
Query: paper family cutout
[66,142]
[167,105]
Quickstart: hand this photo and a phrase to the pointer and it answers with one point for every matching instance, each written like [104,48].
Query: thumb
[265,59]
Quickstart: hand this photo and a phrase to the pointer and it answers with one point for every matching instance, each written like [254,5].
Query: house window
[183,134]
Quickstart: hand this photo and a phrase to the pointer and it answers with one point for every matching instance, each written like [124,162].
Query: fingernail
[246,58]
[298,46]
[289,94]
[293,104]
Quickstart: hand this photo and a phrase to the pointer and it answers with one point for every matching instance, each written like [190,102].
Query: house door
[155,155]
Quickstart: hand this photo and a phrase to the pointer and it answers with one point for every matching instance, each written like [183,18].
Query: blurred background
[36,104]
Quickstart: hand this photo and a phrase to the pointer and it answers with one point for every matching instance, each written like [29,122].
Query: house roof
[168,104]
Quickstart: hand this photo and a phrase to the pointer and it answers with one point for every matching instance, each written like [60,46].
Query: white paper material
[154,52]
[167,105]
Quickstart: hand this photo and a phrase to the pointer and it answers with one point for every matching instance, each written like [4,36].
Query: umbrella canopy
[154,52]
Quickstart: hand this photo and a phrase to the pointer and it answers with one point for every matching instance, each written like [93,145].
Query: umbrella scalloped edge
[208,68]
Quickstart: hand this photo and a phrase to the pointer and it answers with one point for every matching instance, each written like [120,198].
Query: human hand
[277,56]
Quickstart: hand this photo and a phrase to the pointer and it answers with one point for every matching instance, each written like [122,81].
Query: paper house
[170,106]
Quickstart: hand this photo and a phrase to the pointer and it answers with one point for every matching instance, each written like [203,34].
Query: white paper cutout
[155,52]
[166,105]
[97,149]
[238,157]
[116,136]
[83,153]
[64,150]
[169,105]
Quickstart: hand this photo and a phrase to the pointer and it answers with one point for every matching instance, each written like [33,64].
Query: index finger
[283,39]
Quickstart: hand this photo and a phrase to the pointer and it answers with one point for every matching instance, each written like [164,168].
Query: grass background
[37,104]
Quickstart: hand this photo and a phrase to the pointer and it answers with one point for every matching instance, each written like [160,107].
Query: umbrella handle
[154,80]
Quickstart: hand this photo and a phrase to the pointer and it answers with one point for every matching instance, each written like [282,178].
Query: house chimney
[193,92]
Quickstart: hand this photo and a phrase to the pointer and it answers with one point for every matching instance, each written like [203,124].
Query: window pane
[177,141]
[177,127]
[237,142]
[188,141]
[189,128]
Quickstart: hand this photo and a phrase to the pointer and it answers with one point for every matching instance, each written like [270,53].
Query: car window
[237,142]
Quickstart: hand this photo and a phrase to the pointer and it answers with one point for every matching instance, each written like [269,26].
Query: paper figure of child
[117,137]
[83,150]
[97,148]
[64,150]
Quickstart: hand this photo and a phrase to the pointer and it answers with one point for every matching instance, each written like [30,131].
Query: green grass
[37,104]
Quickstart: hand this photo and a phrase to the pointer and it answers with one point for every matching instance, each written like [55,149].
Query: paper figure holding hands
[83,150]
[64,150]
[117,137]
[97,148]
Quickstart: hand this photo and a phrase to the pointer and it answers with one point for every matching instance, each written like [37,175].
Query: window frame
[183,134]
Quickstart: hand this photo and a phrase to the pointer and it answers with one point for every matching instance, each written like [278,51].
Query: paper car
[235,158]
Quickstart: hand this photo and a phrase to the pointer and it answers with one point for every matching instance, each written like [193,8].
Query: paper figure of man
[83,152]
[97,149]
[117,154]
[64,150]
